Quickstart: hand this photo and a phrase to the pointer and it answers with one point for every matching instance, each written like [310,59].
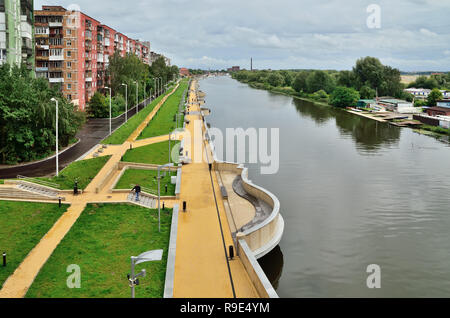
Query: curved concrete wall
[265,236]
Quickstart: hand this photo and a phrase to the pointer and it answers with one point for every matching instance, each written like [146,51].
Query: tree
[299,83]
[275,79]
[344,97]
[318,80]
[370,72]
[27,117]
[367,93]
[320,95]
[346,78]
[98,106]
[117,105]
[434,96]
[288,78]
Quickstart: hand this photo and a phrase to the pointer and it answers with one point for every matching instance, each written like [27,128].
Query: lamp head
[53,99]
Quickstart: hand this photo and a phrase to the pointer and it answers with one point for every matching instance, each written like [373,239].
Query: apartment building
[154,56]
[73,51]
[16,33]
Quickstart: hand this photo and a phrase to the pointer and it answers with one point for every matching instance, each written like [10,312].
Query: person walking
[137,190]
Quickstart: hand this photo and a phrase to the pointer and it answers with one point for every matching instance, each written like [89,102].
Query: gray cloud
[325,34]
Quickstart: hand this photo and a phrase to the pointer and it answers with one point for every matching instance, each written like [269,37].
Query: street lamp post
[57,135]
[159,85]
[155,255]
[126,101]
[137,96]
[156,86]
[159,191]
[110,115]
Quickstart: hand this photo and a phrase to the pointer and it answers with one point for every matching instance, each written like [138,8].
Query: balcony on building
[56,57]
[42,69]
[100,58]
[88,35]
[88,25]
[41,32]
[88,46]
[56,77]
[42,56]
[55,66]
[88,79]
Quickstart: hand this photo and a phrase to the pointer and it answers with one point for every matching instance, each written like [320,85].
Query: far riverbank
[427,132]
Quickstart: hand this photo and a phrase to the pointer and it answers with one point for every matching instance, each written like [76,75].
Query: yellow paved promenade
[200,264]
[17,285]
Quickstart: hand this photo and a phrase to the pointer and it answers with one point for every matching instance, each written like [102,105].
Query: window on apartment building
[69,86]
[69,75]
[56,52]
[69,97]
[69,32]
[41,30]
[69,43]
[69,53]
[69,64]
[55,41]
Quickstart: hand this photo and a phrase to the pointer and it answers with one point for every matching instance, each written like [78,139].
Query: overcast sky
[281,34]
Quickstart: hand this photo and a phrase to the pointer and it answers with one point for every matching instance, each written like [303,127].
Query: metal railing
[147,190]
[39,182]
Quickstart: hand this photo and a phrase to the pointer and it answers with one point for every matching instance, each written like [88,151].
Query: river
[353,192]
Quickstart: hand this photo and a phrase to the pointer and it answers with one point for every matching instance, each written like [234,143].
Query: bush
[344,97]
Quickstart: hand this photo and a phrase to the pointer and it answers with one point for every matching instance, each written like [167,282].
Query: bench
[224,192]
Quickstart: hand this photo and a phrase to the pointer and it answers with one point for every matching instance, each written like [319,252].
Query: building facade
[16,33]
[73,51]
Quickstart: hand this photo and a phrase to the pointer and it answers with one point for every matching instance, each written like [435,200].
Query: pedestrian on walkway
[137,190]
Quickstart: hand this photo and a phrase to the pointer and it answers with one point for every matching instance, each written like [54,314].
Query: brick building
[73,50]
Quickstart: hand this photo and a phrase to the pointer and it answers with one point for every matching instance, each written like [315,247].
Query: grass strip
[23,224]
[147,179]
[101,243]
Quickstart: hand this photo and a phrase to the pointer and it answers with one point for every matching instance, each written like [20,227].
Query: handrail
[39,182]
[148,190]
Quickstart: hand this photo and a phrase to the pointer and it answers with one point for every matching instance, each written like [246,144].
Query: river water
[353,192]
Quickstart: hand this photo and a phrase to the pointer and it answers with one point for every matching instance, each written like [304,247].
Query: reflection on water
[369,135]
[272,264]
[353,192]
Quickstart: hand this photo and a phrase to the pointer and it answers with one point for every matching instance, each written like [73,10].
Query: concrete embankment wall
[263,237]
[260,239]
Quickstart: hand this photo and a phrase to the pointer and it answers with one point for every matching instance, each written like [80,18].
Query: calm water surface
[353,192]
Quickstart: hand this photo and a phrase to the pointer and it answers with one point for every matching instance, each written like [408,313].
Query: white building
[399,106]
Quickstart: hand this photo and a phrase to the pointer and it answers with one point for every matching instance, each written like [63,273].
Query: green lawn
[101,242]
[147,179]
[152,154]
[122,134]
[83,170]
[23,224]
[163,123]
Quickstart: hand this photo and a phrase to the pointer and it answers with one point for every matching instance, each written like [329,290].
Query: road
[95,130]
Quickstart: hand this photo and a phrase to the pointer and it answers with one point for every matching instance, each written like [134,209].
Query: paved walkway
[17,285]
[201,268]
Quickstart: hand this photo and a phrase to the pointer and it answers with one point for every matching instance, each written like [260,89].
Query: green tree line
[339,88]
[129,70]
[27,117]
